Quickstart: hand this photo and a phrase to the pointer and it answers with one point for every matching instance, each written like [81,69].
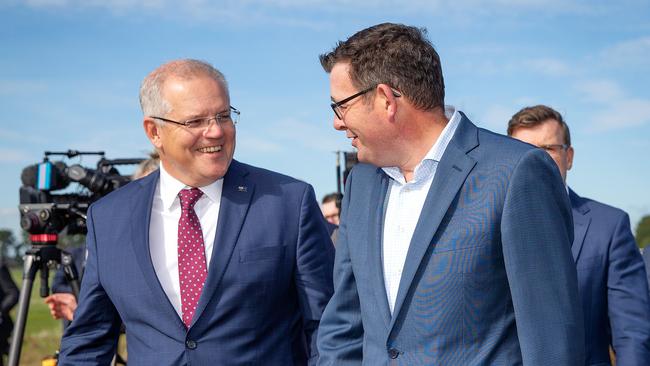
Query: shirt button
[190,344]
[393,353]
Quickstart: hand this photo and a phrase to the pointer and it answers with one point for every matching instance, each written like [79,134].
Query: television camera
[44,215]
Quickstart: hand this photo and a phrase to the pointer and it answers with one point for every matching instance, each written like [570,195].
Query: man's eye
[194,123]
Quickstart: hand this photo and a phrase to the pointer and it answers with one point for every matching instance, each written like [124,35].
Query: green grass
[42,332]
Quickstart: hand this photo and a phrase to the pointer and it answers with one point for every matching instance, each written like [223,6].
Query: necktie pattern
[192,268]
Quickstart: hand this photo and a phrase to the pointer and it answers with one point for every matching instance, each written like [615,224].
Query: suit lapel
[450,175]
[581,223]
[235,201]
[375,234]
[141,213]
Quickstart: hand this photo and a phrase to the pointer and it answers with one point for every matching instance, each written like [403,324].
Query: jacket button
[190,344]
[393,353]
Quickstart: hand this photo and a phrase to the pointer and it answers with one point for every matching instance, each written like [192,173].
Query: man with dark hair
[331,207]
[207,261]
[611,273]
[445,255]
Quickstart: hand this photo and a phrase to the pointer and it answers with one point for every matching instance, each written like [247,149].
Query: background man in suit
[207,261]
[611,273]
[330,205]
[454,246]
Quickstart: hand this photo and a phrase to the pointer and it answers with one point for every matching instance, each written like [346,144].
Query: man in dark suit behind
[207,261]
[454,245]
[611,274]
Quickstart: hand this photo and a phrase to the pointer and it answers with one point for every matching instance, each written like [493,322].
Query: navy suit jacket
[268,280]
[488,278]
[613,284]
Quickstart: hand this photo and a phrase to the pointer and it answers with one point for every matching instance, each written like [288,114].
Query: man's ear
[153,131]
[569,157]
[387,98]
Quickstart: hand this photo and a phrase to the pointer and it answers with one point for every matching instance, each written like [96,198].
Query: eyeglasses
[554,148]
[336,106]
[197,124]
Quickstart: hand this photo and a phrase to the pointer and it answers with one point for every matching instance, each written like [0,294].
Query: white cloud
[623,114]
[631,52]
[548,66]
[496,118]
[612,108]
[13,87]
[600,90]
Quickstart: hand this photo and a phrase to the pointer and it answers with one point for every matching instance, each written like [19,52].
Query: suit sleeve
[537,231]
[340,336]
[313,277]
[91,338]
[627,296]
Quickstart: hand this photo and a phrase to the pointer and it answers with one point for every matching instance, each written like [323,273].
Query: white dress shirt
[405,201]
[163,229]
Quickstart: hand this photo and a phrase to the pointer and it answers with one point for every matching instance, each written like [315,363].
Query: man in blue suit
[207,261]
[454,245]
[611,272]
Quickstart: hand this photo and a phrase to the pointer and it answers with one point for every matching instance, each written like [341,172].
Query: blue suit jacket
[488,278]
[613,284]
[268,280]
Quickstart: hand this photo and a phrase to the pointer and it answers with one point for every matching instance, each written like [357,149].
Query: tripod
[43,254]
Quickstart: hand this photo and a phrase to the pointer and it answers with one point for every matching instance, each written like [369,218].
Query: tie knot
[189,197]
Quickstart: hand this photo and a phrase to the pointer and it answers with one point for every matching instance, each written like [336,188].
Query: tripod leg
[30,268]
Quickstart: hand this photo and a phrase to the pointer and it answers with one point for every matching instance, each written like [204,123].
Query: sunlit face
[548,134]
[363,121]
[330,212]
[196,158]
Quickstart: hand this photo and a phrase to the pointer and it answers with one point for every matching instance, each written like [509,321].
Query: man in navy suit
[611,273]
[207,261]
[454,243]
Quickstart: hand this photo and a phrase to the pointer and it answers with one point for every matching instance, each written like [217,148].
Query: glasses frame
[336,105]
[217,117]
[554,147]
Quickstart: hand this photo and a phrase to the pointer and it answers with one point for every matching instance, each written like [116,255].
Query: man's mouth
[210,149]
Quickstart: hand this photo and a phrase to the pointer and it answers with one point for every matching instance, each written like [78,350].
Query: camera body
[44,212]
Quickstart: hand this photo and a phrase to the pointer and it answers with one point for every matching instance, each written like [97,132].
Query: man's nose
[339,125]
[214,129]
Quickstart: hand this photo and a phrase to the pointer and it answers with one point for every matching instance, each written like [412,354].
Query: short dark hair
[394,54]
[536,115]
[336,197]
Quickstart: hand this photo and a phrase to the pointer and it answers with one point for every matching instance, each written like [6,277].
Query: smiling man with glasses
[207,261]
[446,255]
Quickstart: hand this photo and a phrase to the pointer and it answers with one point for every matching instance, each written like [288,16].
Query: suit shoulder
[603,210]
[502,144]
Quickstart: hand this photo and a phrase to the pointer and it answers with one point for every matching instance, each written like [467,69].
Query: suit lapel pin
[242,189]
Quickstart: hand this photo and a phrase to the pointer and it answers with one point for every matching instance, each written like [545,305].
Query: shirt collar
[170,186]
[434,155]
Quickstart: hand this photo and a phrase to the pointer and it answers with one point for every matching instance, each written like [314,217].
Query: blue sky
[70,72]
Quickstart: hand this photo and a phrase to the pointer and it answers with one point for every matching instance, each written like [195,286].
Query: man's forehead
[340,81]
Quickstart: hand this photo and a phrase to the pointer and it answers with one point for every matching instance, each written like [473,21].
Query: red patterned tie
[192,269]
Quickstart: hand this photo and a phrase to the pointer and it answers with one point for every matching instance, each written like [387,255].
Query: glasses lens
[234,116]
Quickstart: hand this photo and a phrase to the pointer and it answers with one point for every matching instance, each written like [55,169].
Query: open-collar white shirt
[163,229]
[405,202]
